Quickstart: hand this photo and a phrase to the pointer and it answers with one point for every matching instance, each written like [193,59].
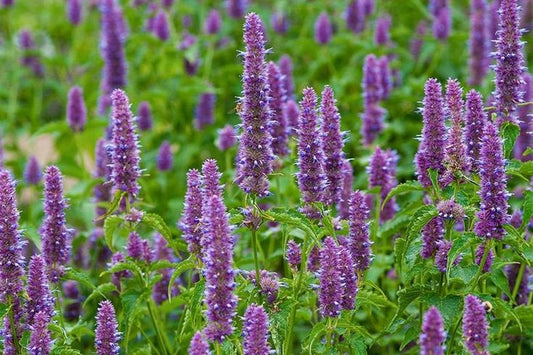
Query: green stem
[217,348]
[160,336]
[329,330]
[517,283]
[488,246]
[450,344]
[256,259]
[14,335]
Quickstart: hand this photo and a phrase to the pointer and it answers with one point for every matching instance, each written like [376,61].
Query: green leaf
[64,350]
[434,177]
[114,204]
[294,218]
[181,267]
[3,310]
[401,189]
[525,315]
[509,132]
[100,292]
[111,224]
[357,345]
[156,222]
[162,264]
[408,295]
[458,246]
[527,209]
[411,334]
[132,308]
[393,226]
[73,274]
[500,280]
[52,127]
[318,330]
[421,217]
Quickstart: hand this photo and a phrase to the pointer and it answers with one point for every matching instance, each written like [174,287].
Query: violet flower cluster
[359,238]
[76,110]
[279,126]
[475,123]
[29,59]
[373,114]
[323,29]
[75,11]
[442,21]
[343,206]
[456,158]
[40,299]
[433,335]
[107,335]
[199,345]
[525,119]
[479,42]
[475,327]
[432,235]
[382,173]
[227,137]
[192,213]
[32,171]
[144,116]
[164,157]
[255,330]
[204,112]
[40,338]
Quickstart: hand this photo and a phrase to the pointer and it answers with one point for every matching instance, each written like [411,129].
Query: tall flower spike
[313,262]
[107,335]
[76,110]
[332,145]
[294,254]
[475,326]
[237,8]
[347,182]
[433,335]
[278,129]
[430,153]
[161,26]
[255,331]
[442,23]
[382,173]
[348,277]
[359,239]
[29,60]
[291,113]
[204,111]
[226,137]
[279,22]
[213,22]
[138,248]
[385,76]
[382,35]
[432,234]
[323,29]
[355,16]
[475,122]
[40,298]
[255,146]
[74,11]
[125,157]
[218,271]
[164,157]
[493,193]
[311,178]
[372,92]
[56,237]
[192,213]
[509,61]
[285,67]
[441,255]
[32,171]
[102,191]
[330,291]
[199,345]
[418,39]
[479,42]
[144,116]
[456,158]
[40,338]
[525,118]
[112,41]
[12,262]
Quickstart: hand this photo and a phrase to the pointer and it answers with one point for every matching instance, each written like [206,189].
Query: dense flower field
[260,176]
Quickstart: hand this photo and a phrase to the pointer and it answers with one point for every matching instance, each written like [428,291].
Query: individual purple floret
[32,171]
[125,157]
[291,113]
[294,254]
[107,335]
[456,158]
[332,144]
[418,39]
[359,239]
[164,157]
[39,298]
[218,271]
[285,67]
[236,8]
[430,153]
[40,338]
[433,335]
[199,345]
[382,34]
[226,137]
[213,22]
[355,16]
[475,326]
[348,278]
[74,11]
[479,42]
[382,173]
[113,36]
[313,261]
[311,178]
[255,331]
[441,255]
[475,123]
[479,257]
[76,110]
[372,93]
[442,23]
[347,182]
[56,237]
[330,291]
[525,119]
[204,111]
[323,29]
[279,22]
[255,152]
[192,213]
[493,193]
[144,116]
[509,62]
[432,234]
[28,59]
[278,129]
[385,76]
[161,26]
[511,272]
[187,42]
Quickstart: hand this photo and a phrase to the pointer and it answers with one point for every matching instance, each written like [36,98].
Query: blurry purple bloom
[161,26]
[167,3]
[493,16]
[191,67]
[164,157]
[160,289]
[2,160]
[291,113]
[372,93]
[74,11]
[226,137]
[441,255]
[432,234]
[479,256]
[475,326]
[279,22]
[285,67]
[187,41]
[199,345]
[7,3]
[139,248]
[475,123]
[382,173]
[525,119]
[359,239]
[442,24]
[355,16]
[418,39]
[40,338]
[382,35]
[294,254]
[433,335]
[435,6]
[116,258]
[368,7]
[32,171]
[385,76]
[204,112]
[29,59]
[479,42]
[213,22]
[348,278]
[236,8]
[192,212]
[71,289]
[107,335]
[346,190]
[102,191]
[76,110]
[511,272]
[330,292]
[40,298]
[144,116]
[323,29]
[255,331]
[278,129]
[456,160]
[313,262]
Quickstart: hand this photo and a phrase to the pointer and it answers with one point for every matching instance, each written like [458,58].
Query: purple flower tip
[475,326]
[236,8]
[144,116]
[204,112]
[192,212]
[40,338]
[213,22]
[255,331]
[330,292]
[199,345]
[161,27]
[433,334]
[164,157]
[40,299]
[279,22]
[76,110]
[32,171]
[74,11]
[107,335]
[323,29]
[226,137]
[359,239]
[294,254]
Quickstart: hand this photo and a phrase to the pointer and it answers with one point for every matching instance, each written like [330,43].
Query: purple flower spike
[294,254]
[382,35]
[456,158]
[442,23]
[269,284]
[279,22]
[313,262]
[213,22]
[382,173]
[432,234]
[441,255]
[368,7]
[285,67]
[161,27]
[2,159]
[493,212]
[125,157]
[107,335]
[359,239]
[479,256]
[199,345]
[475,326]
[449,209]
[112,41]
[372,93]
[102,191]
[279,130]
[311,178]
[74,11]
[7,3]
[346,192]
[56,238]
[211,176]
[332,144]
[192,212]
[418,39]
[255,331]
[167,3]
[236,8]
[40,338]
[355,16]
[138,248]
[204,112]
[226,137]
[32,171]
[323,29]
[509,61]
[475,122]
[385,76]
[433,334]
[479,42]
[76,110]
[255,151]
[160,289]
[164,158]
[525,118]
[218,271]
[348,277]
[116,258]
[40,299]
[291,113]
[511,271]
[29,60]
[144,116]
[430,153]
[330,292]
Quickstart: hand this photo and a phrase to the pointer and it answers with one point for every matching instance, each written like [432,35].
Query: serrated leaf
[100,292]
[113,205]
[458,245]
[509,132]
[180,268]
[527,209]
[401,189]
[411,334]
[122,266]
[64,350]
[162,264]
[111,224]
[132,307]
[408,295]
[292,217]
[393,226]
[525,315]
[318,329]
[500,280]
[357,345]
[156,222]
[73,274]
[434,177]
[421,217]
